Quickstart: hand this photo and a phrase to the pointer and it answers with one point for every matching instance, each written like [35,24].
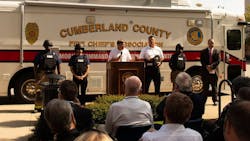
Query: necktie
[210,56]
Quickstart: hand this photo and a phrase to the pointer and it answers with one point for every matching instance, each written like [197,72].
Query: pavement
[17,121]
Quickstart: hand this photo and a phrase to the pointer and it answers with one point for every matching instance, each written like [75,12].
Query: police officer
[45,62]
[79,65]
[177,63]
[153,57]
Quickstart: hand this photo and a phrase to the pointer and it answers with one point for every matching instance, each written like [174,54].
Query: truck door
[234,52]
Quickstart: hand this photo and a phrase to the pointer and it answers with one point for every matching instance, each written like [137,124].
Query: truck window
[234,39]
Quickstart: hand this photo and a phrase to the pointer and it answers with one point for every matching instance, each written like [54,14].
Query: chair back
[131,133]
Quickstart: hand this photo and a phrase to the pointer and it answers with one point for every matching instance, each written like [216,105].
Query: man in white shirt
[131,110]
[153,57]
[178,108]
[119,54]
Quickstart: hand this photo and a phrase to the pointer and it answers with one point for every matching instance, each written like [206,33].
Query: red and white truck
[25,25]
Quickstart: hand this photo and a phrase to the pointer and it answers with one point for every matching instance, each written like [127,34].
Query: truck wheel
[197,83]
[25,91]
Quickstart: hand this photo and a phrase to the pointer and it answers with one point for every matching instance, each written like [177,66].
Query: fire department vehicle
[25,25]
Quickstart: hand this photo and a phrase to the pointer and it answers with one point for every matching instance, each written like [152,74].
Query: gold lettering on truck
[113,27]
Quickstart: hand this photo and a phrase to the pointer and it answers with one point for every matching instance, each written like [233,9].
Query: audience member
[83,116]
[237,83]
[183,84]
[131,110]
[177,111]
[94,135]
[60,118]
[241,87]
[67,91]
[237,127]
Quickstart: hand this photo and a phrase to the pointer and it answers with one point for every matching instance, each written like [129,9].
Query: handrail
[219,94]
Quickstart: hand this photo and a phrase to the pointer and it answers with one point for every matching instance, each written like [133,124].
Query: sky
[235,6]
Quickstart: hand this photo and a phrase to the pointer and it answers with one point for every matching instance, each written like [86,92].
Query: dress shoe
[215,103]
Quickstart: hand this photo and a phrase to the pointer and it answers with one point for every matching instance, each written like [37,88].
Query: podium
[117,72]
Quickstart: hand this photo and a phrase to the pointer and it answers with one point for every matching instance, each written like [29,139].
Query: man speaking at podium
[119,54]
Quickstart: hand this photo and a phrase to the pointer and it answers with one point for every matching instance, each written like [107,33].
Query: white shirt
[130,111]
[125,56]
[172,132]
[149,52]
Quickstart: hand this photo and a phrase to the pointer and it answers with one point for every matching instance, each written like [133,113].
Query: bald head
[133,85]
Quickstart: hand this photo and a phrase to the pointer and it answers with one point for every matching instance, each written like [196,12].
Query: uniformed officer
[177,63]
[79,65]
[153,57]
[46,62]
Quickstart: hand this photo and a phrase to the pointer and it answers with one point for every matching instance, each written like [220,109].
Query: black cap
[179,45]
[119,42]
[78,47]
[47,43]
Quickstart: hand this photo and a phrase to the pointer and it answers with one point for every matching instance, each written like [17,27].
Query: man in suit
[210,59]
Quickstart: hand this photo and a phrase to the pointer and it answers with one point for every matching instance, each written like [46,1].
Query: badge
[31,32]
[194,36]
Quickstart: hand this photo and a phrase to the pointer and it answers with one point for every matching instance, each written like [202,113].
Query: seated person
[131,110]
[237,127]
[67,91]
[177,111]
[60,118]
[94,135]
[183,84]
[241,87]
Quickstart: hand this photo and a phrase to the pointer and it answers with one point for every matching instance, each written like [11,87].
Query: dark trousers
[83,83]
[152,73]
[211,79]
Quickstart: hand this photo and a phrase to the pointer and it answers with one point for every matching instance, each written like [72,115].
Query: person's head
[94,135]
[183,82]
[237,125]
[59,116]
[133,85]
[68,90]
[179,48]
[120,44]
[244,93]
[47,44]
[178,108]
[210,43]
[239,82]
[151,41]
[78,49]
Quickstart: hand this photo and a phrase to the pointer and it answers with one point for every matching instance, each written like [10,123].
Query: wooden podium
[117,72]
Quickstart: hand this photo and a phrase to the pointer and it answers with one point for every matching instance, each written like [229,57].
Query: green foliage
[101,105]
[247,13]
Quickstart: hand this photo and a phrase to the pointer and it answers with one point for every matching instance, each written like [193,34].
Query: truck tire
[25,91]
[197,82]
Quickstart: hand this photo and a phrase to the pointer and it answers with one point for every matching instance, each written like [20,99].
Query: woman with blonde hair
[94,135]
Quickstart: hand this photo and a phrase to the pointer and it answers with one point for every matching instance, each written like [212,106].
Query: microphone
[121,52]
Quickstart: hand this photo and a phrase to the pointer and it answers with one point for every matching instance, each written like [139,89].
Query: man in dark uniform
[210,59]
[79,66]
[45,63]
[177,63]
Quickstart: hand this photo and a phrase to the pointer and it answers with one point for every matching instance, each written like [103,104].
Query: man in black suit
[210,59]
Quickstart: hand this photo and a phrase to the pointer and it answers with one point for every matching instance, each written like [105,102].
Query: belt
[149,64]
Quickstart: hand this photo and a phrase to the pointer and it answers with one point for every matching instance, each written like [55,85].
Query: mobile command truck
[25,25]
